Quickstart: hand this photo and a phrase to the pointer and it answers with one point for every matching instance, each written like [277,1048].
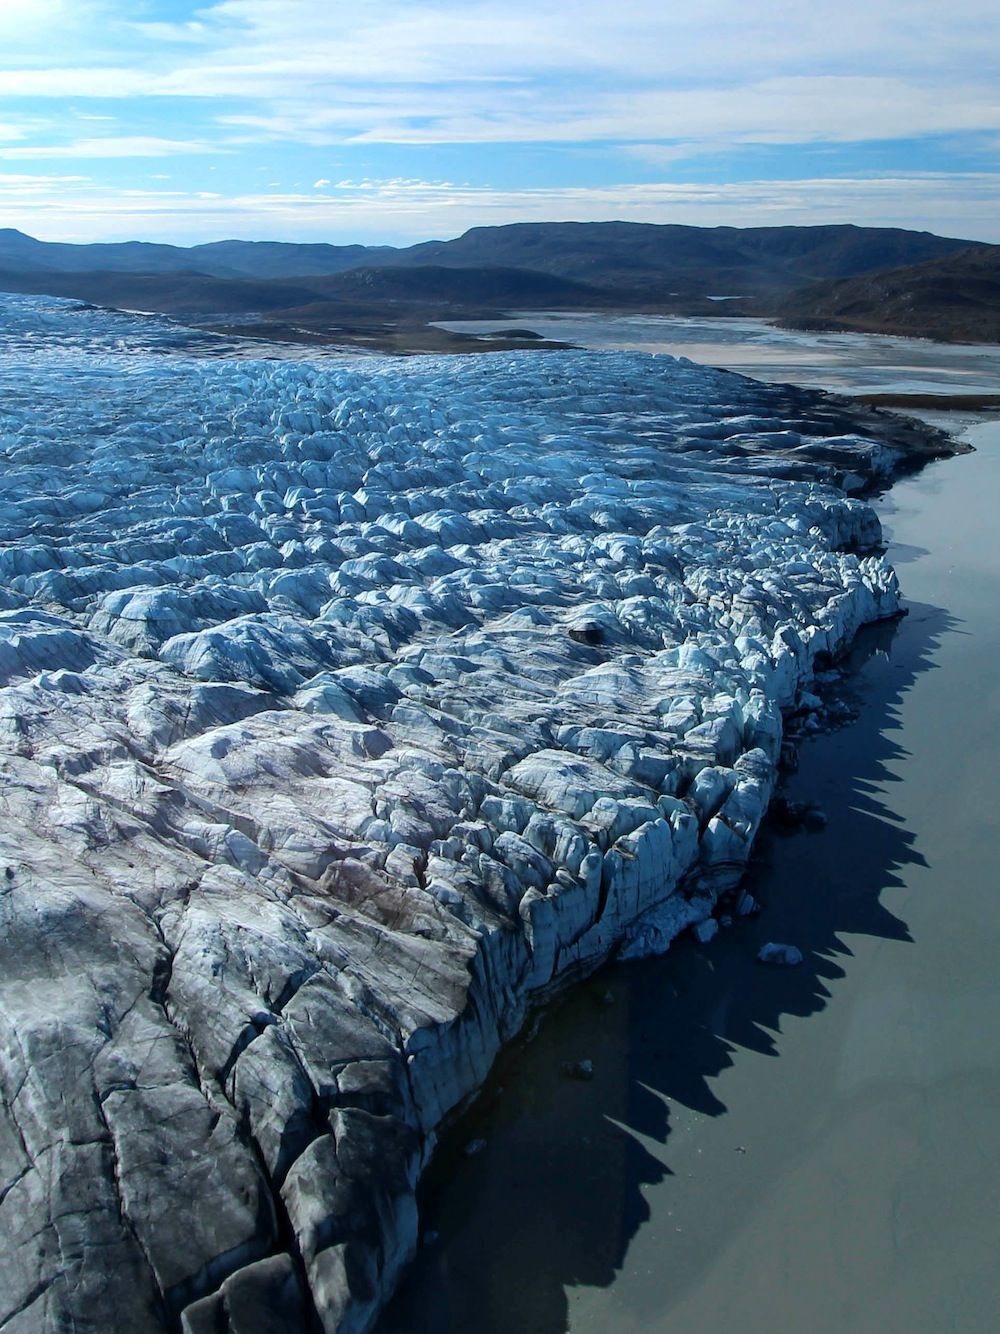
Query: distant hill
[647,261]
[179,293]
[220,259]
[466,286]
[956,298]
[281,259]
[635,259]
[435,291]
[831,275]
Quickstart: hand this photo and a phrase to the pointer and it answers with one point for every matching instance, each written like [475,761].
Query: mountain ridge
[575,250]
[389,297]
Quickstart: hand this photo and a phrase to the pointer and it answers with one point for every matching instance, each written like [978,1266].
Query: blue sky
[400,120]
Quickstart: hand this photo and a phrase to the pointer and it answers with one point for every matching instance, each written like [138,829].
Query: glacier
[348,707]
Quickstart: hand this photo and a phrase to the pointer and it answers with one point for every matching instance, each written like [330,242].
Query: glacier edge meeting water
[347,709]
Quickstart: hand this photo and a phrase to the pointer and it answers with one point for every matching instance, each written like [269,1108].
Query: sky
[393,121]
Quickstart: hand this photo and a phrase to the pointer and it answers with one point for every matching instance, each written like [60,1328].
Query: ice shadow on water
[556,1196]
[905,553]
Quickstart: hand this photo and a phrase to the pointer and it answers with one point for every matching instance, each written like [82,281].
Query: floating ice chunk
[788,956]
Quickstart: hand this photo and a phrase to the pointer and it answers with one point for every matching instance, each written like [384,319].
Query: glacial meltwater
[850,363]
[809,1149]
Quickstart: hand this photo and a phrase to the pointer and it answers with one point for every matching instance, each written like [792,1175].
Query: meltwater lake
[848,363]
[806,1149]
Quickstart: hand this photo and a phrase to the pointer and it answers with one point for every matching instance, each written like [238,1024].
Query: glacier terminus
[348,708]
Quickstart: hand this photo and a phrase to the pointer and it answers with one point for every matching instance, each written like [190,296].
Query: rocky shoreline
[348,711]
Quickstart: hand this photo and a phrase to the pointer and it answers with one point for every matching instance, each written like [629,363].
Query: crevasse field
[345,708]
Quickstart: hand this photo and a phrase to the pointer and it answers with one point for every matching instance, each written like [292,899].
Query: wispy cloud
[191,33]
[409,210]
[587,95]
[631,41]
[392,72]
[58,82]
[123,146]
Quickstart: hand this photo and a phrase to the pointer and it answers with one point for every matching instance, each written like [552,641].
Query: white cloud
[8,179]
[797,109]
[441,40]
[124,146]
[661,80]
[111,81]
[389,71]
[409,210]
[42,34]
[37,194]
[26,21]
[193,33]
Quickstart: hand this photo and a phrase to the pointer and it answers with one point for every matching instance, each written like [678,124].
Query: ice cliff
[345,708]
